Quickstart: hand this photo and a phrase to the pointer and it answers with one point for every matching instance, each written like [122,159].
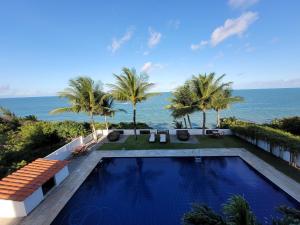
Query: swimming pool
[154,191]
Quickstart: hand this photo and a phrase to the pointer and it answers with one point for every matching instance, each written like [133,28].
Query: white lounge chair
[163,138]
[152,138]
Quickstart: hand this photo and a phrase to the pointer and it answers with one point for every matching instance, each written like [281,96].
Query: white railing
[65,151]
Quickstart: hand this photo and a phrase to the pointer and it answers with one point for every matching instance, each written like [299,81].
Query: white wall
[65,151]
[11,208]
[171,131]
[61,175]
[33,200]
[276,150]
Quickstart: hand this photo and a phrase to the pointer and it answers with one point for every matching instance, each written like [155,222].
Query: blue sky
[45,43]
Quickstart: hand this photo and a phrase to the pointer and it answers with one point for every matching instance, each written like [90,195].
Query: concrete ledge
[46,212]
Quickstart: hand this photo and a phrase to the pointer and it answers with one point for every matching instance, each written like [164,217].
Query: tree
[84,95]
[133,88]
[182,103]
[291,216]
[205,87]
[238,212]
[222,100]
[202,215]
[106,108]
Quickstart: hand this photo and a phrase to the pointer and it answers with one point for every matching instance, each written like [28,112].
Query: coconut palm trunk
[93,127]
[185,124]
[203,122]
[106,124]
[134,121]
[218,118]
[189,120]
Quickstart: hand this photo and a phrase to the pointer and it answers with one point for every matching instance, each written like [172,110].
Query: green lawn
[206,142]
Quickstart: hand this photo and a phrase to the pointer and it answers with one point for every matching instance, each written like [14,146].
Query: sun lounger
[152,138]
[163,138]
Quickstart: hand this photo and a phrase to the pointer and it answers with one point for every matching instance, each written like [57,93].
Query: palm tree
[182,103]
[223,100]
[84,95]
[106,108]
[238,211]
[133,88]
[205,87]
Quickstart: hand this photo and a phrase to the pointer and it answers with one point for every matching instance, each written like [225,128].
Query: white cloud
[149,66]
[117,43]
[198,46]
[230,28]
[146,67]
[146,53]
[154,38]
[233,27]
[241,3]
[174,24]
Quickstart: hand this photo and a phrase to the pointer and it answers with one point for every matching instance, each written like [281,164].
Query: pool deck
[80,168]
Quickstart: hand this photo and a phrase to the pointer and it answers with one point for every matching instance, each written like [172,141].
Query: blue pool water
[154,191]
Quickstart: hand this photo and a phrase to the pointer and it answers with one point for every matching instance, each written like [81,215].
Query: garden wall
[276,150]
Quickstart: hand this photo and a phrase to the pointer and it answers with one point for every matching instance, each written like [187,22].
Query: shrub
[124,125]
[268,134]
[290,124]
[226,123]
[68,130]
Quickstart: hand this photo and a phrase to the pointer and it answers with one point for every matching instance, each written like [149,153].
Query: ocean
[260,105]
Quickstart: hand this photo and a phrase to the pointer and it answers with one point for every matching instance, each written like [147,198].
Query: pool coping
[46,212]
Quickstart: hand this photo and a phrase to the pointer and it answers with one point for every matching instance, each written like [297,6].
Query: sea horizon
[260,106]
[235,89]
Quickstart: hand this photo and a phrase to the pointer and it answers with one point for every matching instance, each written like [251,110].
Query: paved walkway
[45,213]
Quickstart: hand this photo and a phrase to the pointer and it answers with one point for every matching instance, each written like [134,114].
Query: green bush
[273,136]
[68,130]
[226,123]
[124,125]
[290,124]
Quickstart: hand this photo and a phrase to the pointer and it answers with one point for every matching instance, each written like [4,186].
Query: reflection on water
[154,191]
[135,182]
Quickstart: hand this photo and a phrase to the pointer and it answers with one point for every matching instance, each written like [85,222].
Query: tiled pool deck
[45,213]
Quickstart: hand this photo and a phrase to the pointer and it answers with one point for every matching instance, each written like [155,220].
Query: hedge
[273,136]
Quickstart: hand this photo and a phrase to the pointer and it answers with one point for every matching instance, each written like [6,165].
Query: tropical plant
[238,212]
[106,108]
[131,87]
[222,100]
[202,215]
[205,88]
[182,103]
[291,216]
[84,95]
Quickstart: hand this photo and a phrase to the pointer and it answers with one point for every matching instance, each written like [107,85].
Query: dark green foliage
[34,139]
[290,124]
[291,216]
[124,125]
[238,212]
[226,123]
[202,215]
[273,136]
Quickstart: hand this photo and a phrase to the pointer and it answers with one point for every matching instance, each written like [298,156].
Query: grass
[207,142]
